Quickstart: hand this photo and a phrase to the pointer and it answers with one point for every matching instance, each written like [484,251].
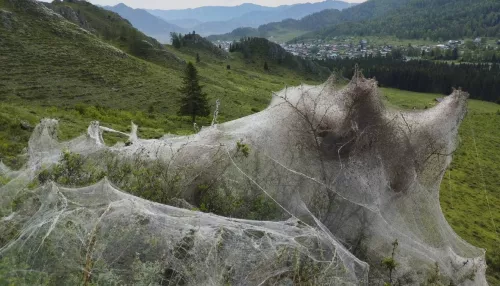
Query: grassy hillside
[50,62]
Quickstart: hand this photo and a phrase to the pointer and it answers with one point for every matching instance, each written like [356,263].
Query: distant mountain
[146,22]
[319,21]
[209,13]
[309,23]
[220,20]
[186,23]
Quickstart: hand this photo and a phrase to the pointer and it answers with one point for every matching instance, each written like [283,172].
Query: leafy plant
[243,148]
[390,263]
[72,170]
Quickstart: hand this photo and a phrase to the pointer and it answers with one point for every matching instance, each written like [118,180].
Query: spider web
[350,175]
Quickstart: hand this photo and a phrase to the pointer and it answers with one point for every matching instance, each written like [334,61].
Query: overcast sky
[176,4]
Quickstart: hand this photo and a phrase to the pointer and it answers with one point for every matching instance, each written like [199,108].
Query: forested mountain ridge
[433,19]
[319,20]
[219,20]
[308,23]
[410,19]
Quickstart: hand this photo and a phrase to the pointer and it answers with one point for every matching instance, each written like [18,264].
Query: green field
[283,36]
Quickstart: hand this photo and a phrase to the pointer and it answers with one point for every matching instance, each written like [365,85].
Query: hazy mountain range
[320,21]
[145,22]
[216,19]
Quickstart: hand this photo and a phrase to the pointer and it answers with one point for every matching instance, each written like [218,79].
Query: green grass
[284,35]
[470,191]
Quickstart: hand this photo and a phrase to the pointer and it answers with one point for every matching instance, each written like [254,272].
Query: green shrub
[226,202]
[243,148]
[72,170]
[390,263]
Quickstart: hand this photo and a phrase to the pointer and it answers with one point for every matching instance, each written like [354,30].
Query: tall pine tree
[193,102]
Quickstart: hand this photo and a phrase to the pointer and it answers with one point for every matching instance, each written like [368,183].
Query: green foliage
[4,180]
[243,148]
[176,40]
[194,102]
[14,272]
[72,170]
[434,278]
[223,201]
[9,231]
[146,273]
[389,263]
[149,180]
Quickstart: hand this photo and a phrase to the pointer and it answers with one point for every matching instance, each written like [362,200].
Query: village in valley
[350,47]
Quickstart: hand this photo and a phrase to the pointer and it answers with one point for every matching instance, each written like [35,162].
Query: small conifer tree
[193,102]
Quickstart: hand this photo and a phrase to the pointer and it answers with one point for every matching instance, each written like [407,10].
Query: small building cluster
[349,47]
